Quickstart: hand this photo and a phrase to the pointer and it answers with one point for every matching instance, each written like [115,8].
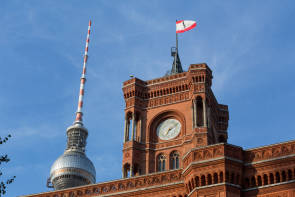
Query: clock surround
[162,116]
[168,129]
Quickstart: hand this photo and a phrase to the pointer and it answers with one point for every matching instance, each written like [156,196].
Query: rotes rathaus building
[175,145]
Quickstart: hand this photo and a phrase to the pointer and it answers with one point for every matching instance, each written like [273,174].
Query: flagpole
[176,41]
[175,58]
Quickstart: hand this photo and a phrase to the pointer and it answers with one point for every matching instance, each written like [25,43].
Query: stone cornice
[268,160]
[271,145]
[143,189]
[133,184]
[267,186]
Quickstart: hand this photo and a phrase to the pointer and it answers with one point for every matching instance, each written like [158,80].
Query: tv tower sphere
[73,168]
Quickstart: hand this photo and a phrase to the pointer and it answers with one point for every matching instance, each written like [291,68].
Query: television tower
[73,168]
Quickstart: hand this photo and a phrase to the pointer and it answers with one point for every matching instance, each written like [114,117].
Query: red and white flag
[185,25]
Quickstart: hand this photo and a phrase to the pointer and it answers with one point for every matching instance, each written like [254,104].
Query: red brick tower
[175,146]
[167,117]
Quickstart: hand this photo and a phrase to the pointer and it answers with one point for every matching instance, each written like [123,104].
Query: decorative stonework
[123,185]
[270,152]
[211,152]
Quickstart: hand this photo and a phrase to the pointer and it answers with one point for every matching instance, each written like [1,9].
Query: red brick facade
[197,162]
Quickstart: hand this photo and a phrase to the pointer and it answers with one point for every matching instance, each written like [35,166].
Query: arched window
[161,163]
[284,177]
[209,179]
[203,180]
[289,175]
[128,128]
[174,160]
[215,179]
[271,178]
[253,181]
[200,118]
[259,180]
[265,179]
[221,177]
[197,180]
[278,177]
[126,172]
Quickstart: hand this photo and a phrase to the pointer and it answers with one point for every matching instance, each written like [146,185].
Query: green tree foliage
[4,159]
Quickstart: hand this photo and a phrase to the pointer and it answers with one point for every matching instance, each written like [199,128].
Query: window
[200,113]
[259,180]
[253,181]
[278,177]
[221,177]
[215,178]
[197,180]
[126,172]
[271,178]
[284,177]
[265,179]
[161,163]
[209,179]
[289,175]
[174,160]
[203,181]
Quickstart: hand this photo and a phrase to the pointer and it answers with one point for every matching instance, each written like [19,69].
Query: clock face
[168,129]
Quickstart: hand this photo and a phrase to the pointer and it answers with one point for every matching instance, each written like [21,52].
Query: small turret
[176,66]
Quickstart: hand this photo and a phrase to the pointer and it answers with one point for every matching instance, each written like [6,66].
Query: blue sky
[250,47]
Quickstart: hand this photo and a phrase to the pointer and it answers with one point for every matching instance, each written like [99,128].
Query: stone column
[209,121]
[140,129]
[132,128]
[131,170]
[268,179]
[125,130]
[195,113]
[204,112]
[123,172]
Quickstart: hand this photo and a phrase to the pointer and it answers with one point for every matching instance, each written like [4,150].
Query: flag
[185,25]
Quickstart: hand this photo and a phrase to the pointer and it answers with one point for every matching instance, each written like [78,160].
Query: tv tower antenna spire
[79,112]
[73,168]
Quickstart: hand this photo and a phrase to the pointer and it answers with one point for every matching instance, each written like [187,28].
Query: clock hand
[172,127]
[167,131]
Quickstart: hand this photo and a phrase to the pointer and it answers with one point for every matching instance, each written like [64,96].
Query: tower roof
[176,66]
